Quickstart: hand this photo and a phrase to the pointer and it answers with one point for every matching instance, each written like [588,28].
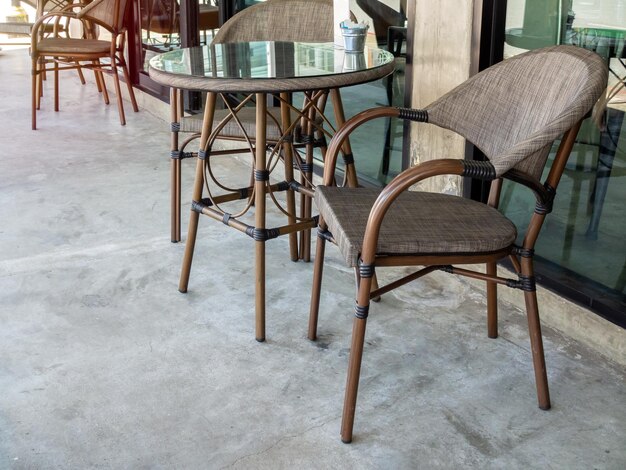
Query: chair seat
[247,116]
[64,46]
[445,225]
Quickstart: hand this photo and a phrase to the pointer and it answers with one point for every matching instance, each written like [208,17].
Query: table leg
[340,118]
[198,186]
[285,114]
[261,176]
[175,168]
[307,173]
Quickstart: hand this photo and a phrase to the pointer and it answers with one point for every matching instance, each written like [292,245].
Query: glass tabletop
[277,62]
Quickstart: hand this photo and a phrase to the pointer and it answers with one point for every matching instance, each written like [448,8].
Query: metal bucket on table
[354,37]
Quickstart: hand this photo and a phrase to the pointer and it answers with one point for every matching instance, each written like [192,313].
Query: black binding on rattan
[305,167]
[321,142]
[261,175]
[447,268]
[545,207]
[244,193]
[202,154]
[294,185]
[262,234]
[175,126]
[348,158]
[178,155]
[366,270]
[361,312]
[478,170]
[525,283]
[306,139]
[283,186]
[226,218]
[418,115]
[197,206]
[325,234]
[523,252]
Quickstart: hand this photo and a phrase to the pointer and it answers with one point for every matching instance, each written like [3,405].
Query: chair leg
[118,91]
[56,85]
[536,342]
[354,365]
[492,302]
[40,74]
[318,271]
[35,91]
[105,92]
[81,77]
[129,85]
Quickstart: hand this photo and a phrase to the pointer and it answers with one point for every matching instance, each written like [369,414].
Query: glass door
[164,25]
[581,250]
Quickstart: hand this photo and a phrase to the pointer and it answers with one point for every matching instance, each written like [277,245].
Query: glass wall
[582,247]
[379,159]
[160,23]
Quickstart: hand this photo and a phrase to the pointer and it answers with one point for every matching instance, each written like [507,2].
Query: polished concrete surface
[104,364]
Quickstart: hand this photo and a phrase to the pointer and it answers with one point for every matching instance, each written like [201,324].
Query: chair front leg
[356,355]
[536,341]
[318,271]
[35,85]
[56,84]
[118,90]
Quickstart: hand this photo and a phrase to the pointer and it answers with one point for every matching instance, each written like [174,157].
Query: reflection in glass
[160,25]
[584,237]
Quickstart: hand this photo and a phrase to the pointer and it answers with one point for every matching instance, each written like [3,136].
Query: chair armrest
[336,143]
[34,32]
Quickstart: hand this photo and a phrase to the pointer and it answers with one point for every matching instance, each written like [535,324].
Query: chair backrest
[47,6]
[110,12]
[281,20]
[515,110]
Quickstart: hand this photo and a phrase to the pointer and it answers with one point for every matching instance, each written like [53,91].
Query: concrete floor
[103,364]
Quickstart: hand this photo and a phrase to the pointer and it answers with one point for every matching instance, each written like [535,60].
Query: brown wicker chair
[84,52]
[513,112]
[274,20]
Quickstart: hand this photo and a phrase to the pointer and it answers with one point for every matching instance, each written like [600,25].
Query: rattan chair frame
[521,256]
[66,59]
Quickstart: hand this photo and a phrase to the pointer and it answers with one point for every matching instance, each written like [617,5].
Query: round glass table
[260,70]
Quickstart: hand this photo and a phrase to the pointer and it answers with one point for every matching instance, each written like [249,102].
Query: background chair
[274,20]
[86,52]
[513,112]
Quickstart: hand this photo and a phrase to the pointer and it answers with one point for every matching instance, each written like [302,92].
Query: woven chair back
[281,20]
[110,12]
[46,6]
[515,110]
